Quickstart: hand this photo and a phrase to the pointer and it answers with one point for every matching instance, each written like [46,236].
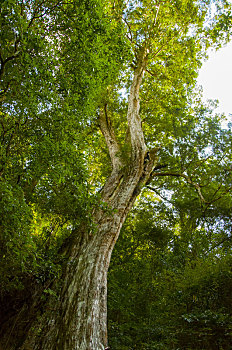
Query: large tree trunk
[76,319]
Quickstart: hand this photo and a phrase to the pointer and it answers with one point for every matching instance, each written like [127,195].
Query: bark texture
[76,319]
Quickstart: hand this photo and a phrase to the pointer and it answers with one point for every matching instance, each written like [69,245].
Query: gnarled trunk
[78,320]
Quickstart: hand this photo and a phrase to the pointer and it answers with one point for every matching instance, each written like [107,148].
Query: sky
[216,79]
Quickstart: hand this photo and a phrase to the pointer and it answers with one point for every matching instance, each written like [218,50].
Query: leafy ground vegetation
[68,117]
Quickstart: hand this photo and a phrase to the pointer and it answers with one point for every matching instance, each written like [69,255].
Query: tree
[117,43]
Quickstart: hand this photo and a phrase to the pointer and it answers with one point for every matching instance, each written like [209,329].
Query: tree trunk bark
[79,319]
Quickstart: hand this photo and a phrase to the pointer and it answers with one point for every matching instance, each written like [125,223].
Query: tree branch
[188,180]
[129,28]
[47,11]
[219,243]
[133,117]
[157,192]
[3,63]
[110,138]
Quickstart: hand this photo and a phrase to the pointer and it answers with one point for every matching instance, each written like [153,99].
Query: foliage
[56,59]
[170,279]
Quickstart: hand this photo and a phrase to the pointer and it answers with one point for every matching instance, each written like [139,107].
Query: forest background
[63,64]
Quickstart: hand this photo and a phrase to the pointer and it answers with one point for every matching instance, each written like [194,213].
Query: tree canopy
[52,76]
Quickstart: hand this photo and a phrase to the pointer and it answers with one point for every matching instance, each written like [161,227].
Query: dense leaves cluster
[56,59]
[170,280]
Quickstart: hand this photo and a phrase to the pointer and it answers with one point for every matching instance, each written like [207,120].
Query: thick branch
[188,180]
[195,185]
[133,117]
[110,138]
